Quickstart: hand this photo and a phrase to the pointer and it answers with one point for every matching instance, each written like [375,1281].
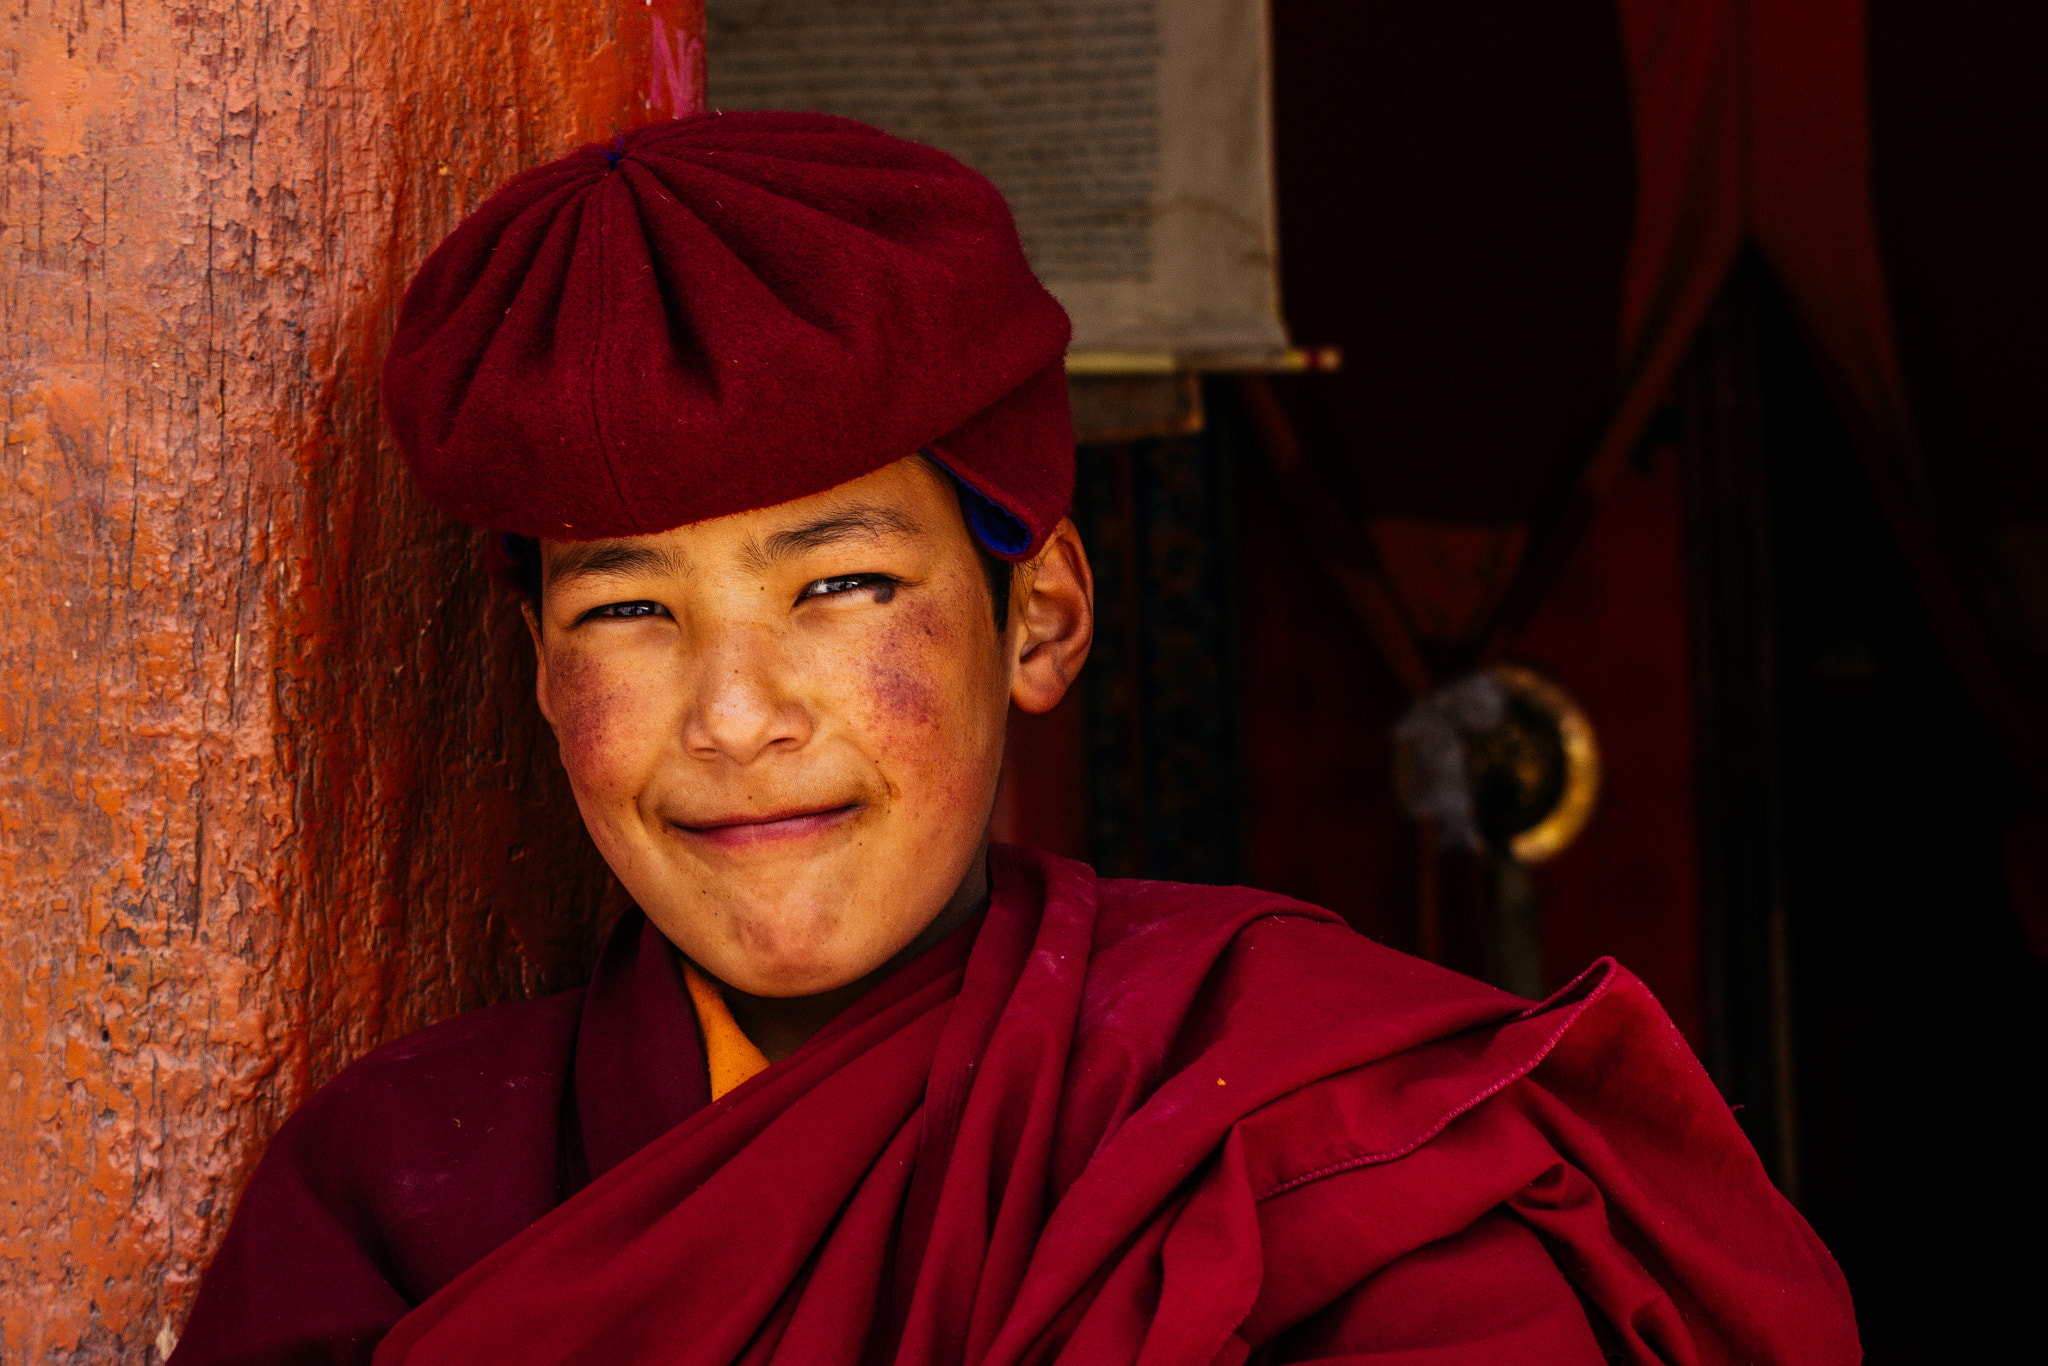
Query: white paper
[1131,138]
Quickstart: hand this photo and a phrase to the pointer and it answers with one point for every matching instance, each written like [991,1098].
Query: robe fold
[1109,1122]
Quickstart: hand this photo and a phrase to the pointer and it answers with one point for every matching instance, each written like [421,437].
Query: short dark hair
[1001,575]
[524,552]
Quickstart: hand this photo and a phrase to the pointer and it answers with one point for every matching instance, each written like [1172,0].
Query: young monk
[773,411]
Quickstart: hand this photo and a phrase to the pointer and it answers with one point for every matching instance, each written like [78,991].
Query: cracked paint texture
[272,787]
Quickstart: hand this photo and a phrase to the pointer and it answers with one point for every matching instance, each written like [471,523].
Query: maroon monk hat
[726,312]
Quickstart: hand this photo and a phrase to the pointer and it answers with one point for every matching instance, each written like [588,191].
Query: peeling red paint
[272,788]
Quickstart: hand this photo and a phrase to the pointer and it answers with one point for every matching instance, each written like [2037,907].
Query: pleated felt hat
[727,312]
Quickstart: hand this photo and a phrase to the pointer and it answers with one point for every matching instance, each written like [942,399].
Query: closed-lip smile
[737,831]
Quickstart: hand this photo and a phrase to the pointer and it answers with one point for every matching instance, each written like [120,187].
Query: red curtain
[1513,295]
[1894,149]
[1957,461]
[1513,270]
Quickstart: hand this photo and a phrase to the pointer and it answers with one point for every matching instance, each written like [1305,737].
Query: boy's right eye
[626,611]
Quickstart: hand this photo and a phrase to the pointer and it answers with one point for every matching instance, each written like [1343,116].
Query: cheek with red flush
[594,719]
[904,670]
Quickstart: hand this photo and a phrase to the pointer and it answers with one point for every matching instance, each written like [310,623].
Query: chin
[789,950]
[798,982]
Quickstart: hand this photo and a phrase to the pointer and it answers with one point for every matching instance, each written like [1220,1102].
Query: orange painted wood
[272,788]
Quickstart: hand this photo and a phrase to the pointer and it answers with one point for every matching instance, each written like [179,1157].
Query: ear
[540,659]
[1052,621]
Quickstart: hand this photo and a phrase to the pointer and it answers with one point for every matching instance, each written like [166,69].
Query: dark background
[1746,458]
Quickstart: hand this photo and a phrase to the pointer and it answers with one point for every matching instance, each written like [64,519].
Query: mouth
[740,831]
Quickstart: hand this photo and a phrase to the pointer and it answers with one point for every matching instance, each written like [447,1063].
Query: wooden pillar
[272,788]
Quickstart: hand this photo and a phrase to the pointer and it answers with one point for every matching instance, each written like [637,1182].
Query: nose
[742,709]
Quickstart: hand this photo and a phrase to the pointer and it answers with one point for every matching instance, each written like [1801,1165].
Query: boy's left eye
[883,585]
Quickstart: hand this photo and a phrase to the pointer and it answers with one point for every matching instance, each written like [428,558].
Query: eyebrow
[857,522]
[613,559]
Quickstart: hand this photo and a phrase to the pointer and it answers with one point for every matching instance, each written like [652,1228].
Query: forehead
[907,500]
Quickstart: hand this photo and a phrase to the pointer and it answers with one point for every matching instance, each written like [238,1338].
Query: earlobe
[1055,622]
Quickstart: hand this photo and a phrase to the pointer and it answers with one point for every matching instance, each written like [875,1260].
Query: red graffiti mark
[675,85]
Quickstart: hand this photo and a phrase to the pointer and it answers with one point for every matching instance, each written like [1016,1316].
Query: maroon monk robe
[1121,1121]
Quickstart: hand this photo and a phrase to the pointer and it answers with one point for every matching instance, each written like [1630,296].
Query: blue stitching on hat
[616,151]
[994,525]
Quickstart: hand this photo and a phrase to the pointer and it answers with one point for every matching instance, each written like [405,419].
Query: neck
[779,1025]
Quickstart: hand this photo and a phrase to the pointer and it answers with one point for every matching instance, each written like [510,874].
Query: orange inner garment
[728,1052]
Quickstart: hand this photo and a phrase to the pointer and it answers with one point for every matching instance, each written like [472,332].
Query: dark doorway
[1912,1031]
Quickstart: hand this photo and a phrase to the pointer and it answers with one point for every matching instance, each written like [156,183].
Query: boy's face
[784,727]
